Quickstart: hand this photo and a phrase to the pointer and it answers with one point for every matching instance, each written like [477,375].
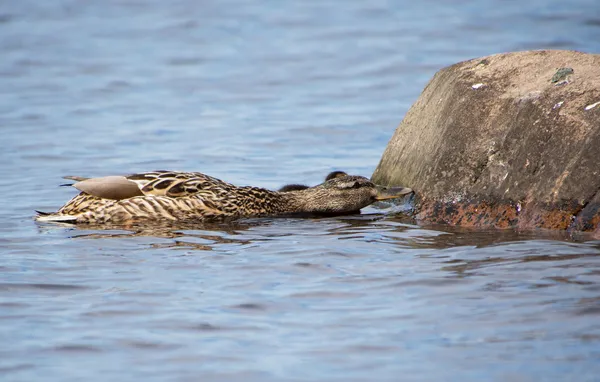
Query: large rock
[507,140]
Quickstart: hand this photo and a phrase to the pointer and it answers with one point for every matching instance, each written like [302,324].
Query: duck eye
[356,185]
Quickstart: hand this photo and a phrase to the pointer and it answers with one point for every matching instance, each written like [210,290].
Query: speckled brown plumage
[178,196]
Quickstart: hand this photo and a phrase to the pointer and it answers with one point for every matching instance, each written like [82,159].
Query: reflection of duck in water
[178,196]
[296,187]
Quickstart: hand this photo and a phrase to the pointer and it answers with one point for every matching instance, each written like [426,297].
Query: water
[266,94]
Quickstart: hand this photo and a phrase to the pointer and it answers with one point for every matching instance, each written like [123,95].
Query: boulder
[509,140]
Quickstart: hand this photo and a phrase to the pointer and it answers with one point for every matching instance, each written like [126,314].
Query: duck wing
[109,187]
[156,183]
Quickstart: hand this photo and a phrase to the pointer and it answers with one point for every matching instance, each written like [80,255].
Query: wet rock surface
[507,140]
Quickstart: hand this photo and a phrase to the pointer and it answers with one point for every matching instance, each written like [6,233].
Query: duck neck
[292,202]
[306,201]
[260,201]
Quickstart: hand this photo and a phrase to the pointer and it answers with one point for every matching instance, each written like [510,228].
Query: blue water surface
[268,93]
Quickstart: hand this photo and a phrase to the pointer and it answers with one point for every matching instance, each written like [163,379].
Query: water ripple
[267,95]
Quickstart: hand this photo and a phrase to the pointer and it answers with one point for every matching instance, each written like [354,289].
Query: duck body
[179,196]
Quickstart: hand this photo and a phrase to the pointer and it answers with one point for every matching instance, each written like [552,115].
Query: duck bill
[384,193]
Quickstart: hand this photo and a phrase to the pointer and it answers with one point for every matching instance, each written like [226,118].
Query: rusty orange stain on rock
[588,218]
[477,213]
[546,215]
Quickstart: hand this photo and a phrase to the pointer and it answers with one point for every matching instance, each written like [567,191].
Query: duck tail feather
[53,217]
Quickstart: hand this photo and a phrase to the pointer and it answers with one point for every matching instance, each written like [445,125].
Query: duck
[194,196]
[297,187]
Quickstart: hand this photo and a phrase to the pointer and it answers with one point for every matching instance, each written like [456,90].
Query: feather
[193,196]
[75,178]
[110,187]
[48,217]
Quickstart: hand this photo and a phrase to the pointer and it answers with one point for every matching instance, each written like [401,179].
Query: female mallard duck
[296,187]
[174,196]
